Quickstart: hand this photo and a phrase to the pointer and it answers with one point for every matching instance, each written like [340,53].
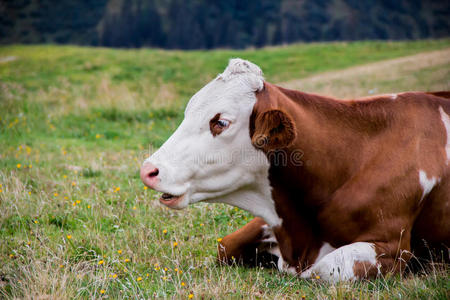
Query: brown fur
[246,245]
[358,181]
[364,269]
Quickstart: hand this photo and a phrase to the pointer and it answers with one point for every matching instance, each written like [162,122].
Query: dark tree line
[205,24]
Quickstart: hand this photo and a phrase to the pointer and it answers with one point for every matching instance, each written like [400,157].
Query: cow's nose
[149,175]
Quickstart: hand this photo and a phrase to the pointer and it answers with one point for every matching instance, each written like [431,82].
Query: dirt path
[7,59]
[424,71]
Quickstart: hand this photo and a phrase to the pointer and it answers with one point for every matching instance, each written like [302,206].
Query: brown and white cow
[340,189]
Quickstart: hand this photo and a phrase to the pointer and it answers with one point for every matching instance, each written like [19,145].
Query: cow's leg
[359,260]
[377,209]
[253,244]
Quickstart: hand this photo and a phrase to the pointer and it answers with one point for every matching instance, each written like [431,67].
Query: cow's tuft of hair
[245,70]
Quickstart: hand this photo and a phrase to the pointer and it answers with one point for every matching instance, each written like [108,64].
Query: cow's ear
[273,129]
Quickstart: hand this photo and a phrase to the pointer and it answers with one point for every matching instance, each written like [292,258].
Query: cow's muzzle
[149,175]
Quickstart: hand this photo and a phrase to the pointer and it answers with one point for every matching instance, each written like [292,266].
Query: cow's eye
[223,123]
[217,125]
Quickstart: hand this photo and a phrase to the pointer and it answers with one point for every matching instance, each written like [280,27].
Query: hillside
[428,71]
[75,124]
[201,24]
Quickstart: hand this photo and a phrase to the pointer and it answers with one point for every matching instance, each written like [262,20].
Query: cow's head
[212,156]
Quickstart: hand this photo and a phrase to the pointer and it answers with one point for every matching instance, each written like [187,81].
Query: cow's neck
[325,128]
[302,186]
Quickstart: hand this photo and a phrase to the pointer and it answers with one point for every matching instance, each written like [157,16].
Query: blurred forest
[206,24]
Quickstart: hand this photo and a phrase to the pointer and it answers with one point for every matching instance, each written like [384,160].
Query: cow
[340,189]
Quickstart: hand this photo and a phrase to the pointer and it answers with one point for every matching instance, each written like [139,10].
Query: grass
[428,71]
[75,220]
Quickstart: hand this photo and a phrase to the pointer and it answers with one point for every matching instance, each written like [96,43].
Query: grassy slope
[75,124]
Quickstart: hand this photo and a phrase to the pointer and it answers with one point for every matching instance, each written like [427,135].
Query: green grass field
[75,219]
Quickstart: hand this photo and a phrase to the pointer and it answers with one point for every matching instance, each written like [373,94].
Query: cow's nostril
[153,172]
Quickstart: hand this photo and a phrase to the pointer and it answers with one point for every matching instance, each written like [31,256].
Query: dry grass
[428,71]
[78,122]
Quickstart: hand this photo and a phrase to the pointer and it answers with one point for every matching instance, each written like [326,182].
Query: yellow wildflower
[61,266]
[19,166]
[183,284]
[317,277]
[147,274]
[30,166]
[175,244]
[119,251]
[145,187]
[97,136]
[69,236]
[164,278]
[165,231]
[102,291]
[78,201]
[36,221]
[56,194]
[74,183]
[191,296]
[219,240]
[114,275]
[139,278]
[165,269]
[88,206]
[127,260]
[65,176]
[101,262]
[134,207]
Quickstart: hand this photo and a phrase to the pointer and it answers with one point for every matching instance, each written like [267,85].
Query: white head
[210,156]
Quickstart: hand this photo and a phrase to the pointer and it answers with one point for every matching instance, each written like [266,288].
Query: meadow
[75,125]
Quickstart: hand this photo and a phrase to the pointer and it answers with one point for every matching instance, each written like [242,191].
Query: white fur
[269,238]
[225,168]
[427,184]
[268,234]
[324,250]
[338,264]
[446,120]
[393,96]
[284,267]
[275,251]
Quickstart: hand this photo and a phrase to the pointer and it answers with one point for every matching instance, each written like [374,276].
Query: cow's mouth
[170,200]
